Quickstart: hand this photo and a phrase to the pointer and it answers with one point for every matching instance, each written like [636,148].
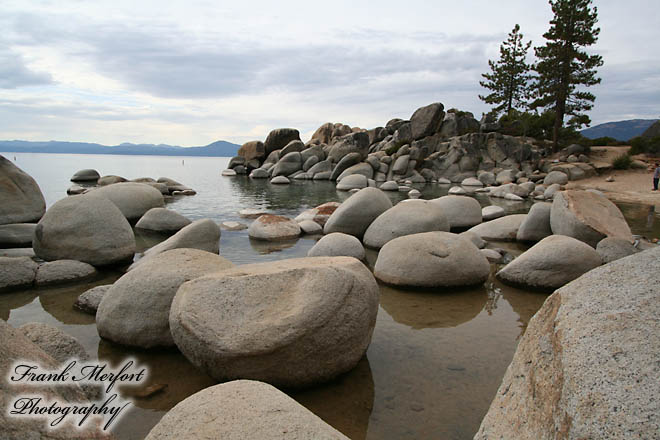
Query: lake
[436,358]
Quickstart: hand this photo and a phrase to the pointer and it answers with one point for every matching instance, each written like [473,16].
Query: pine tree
[563,65]
[509,77]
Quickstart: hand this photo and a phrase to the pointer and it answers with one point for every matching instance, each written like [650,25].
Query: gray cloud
[14,72]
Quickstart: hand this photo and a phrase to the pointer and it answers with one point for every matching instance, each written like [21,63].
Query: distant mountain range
[216,149]
[619,130]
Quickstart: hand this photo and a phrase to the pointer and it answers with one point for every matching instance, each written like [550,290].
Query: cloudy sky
[192,72]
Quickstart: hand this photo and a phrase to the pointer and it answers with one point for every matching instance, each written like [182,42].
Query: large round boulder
[337,245]
[550,263]
[536,225]
[555,177]
[587,216]
[501,229]
[427,120]
[586,366]
[162,220]
[135,310]
[354,216]
[350,143]
[431,259]
[264,412]
[279,138]
[133,199]
[287,165]
[461,211]
[411,217]
[353,181]
[274,227]
[290,323]
[252,150]
[84,228]
[21,200]
[87,175]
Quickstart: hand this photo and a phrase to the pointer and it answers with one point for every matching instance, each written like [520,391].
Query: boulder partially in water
[17,272]
[431,259]
[135,310]
[242,409]
[21,200]
[337,244]
[274,227]
[551,263]
[133,199]
[319,214]
[536,225]
[587,216]
[411,217]
[162,220]
[461,211]
[354,216]
[86,175]
[501,229]
[587,364]
[84,228]
[64,271]
[291,323]
[89,300]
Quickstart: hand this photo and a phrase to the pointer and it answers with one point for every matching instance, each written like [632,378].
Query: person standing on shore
[656,176]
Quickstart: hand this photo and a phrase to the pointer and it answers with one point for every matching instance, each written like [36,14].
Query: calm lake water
[436,358]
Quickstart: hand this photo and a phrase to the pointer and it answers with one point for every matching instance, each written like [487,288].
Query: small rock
[274,227]
[337,244]
[89,300]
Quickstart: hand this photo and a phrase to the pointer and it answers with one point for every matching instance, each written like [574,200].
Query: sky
[192,72]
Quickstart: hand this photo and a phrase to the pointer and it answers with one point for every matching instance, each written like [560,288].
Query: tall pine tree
[563,64]
[509,76]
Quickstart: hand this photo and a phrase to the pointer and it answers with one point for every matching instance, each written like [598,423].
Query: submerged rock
[264,413]
[290,323]
[89,300]
[587,364]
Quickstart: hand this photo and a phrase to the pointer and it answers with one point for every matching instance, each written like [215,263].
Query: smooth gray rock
[64,271]
[350,143]
[487,178]
[264,412]
[110,180]
[431,259]
[592,347]
[492,212]
[319,214]
[457,191]
[536,225]
[17,235]
[310,227]
[474,238]
[492,255]
[280,180]
[279,138]
[353,181]
[59,345]
[412,217]
[555,177]
[162,220]
[426,120]
[588,217]
[321,167]
[84,228]
[17,252]
[505,176]
[362,168]
[294,145]
[471,181]
[228,173]
[16,272]
[252,150]
[87,175]
[390,185]
[203,234]
[501,229]
[135,310]
[611,249]
[344,163]
[354,216]
[21,200]
[310,162]
[551,190]
[89,300]
[132,199]
[288,165]
[259,173]
[461,211]
[337,244]
[291,323]
[271,227]
[401,164]
[550,263]
[75,189]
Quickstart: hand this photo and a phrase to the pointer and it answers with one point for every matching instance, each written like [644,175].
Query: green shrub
[642,145]
[622,162]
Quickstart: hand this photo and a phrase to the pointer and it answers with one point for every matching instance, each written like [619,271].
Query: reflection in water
[266,247]
[428,308]
[14,300]
[345,403]
[643,219]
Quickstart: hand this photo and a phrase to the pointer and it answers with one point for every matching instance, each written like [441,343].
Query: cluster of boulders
[89,179]
[431,147]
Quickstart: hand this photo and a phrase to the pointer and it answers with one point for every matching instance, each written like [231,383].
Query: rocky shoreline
[301,322]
